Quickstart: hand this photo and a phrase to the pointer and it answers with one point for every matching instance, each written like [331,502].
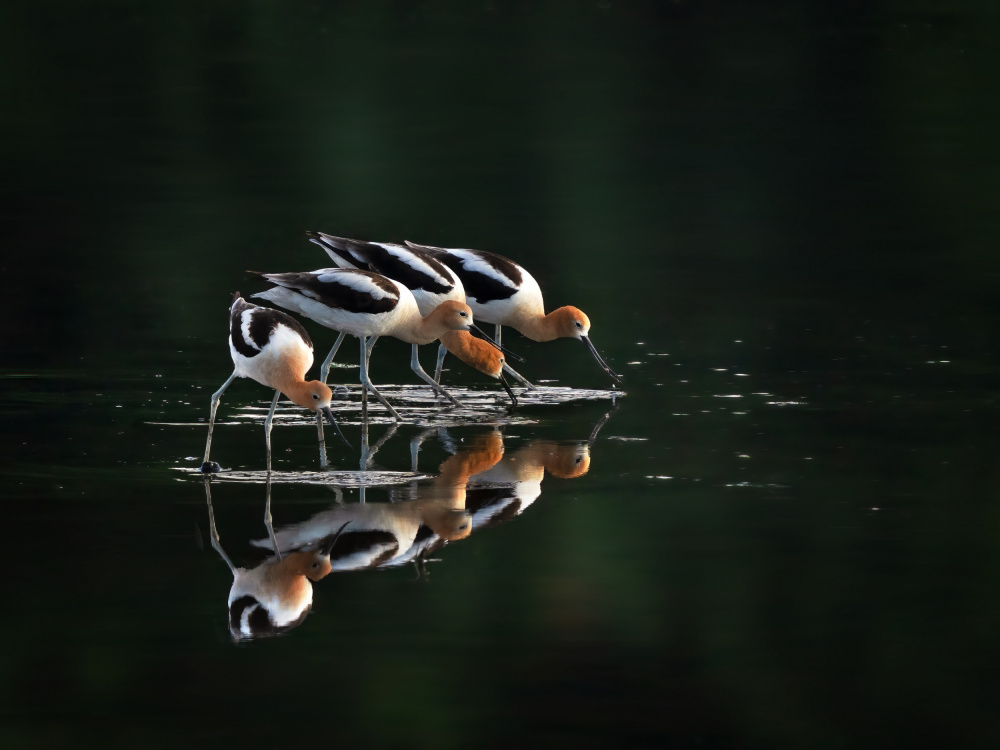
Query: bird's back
[429,279]
[495,287]
[262,339]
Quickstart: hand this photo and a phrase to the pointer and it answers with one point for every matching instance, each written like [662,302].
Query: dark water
[782,222]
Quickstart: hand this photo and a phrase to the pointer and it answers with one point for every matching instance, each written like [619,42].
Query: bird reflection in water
[477,487]
[386,534]
[275,596]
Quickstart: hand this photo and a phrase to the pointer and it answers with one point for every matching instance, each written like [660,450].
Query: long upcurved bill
[328,413]
[601,362]
[327,547]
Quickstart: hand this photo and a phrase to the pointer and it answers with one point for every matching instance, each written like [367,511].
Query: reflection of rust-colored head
[567,460]
[481,454]
[450,525]
[313,565]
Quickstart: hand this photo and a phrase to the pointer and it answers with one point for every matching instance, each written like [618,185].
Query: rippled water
[780,532]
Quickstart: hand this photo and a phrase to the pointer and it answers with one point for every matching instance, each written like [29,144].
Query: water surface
[782,225]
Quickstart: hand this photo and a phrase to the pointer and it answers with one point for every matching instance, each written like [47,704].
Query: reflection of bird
[502,292]
[508,488]
[366,304]
[277,594]
[431,283]
[274,349]
[385,534]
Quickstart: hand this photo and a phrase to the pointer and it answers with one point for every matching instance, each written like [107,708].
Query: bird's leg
[415,444]
[365,352]
[364,438]
[322,442]
[207,466]
[213,534]
[267,429]
[449,443]
[496,334]
[518,377]
[324,370]
[442,353]
[415,366]
[268,522]
[380,442]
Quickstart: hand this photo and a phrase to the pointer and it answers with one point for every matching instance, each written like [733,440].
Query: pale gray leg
[213,534]
[216,398]
[364,440]
[415,366]
[268,522]
[267,429]
[496,336]
[365,354]
[322,441]
[325,369]
[442,353]
[415,444]
[369,454]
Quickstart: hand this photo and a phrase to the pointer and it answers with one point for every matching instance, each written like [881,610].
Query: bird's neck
[539,326]
[298,391]
[431,328]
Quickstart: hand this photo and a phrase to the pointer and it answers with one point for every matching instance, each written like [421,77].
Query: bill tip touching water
[275,350]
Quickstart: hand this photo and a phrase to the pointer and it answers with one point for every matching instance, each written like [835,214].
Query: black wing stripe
[340,296]
[263,322]
[389,264]
[479,287]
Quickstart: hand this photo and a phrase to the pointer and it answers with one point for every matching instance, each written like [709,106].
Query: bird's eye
[578,324]
[463,315]
[315,397]
[315,565]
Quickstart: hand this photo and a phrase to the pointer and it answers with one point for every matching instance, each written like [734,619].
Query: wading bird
[501,292]
[431,283]
[367,305]
[274,349]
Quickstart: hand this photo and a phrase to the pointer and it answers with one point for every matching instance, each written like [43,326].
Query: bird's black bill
[328,413]
[506,387]
[478,333]
[601,362]
[328,543]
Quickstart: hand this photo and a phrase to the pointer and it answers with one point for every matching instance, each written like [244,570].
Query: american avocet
[431,283]
[276,595]
[500,291]
[366,305]
[274,349]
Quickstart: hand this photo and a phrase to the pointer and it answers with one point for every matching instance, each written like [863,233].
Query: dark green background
[802,193]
